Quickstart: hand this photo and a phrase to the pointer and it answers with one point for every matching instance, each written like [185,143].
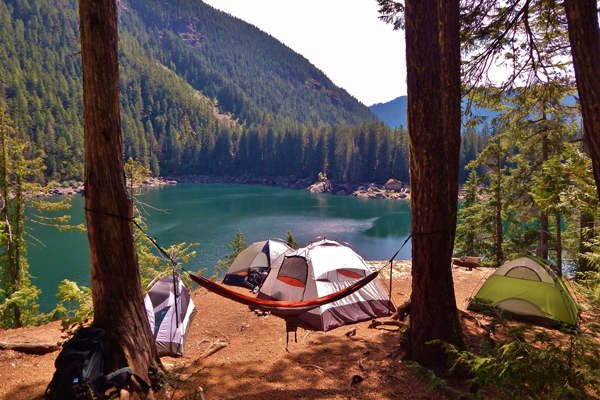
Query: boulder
[394,185]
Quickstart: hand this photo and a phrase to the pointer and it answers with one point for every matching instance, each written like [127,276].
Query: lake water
[210,214]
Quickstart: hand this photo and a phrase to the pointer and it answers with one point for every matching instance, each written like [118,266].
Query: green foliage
[25,301]
[532,364]
[474,232]
[236,246]
[436,384]
[18,191]
[75,304]
[290,240]
[545,185]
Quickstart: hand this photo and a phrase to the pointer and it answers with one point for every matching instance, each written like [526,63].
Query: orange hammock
[277,307]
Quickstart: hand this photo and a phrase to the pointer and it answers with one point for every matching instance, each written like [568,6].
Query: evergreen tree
[18,306]
[290,240]
[237,245]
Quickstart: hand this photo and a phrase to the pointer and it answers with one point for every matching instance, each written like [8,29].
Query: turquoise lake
[211,214]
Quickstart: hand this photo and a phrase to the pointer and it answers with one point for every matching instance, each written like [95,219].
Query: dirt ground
[255,364]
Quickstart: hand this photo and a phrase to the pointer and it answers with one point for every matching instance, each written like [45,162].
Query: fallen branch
[469,263]
[212,349]
[31,348]
[378,324]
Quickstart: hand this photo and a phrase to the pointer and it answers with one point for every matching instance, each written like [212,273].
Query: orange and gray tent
[322,267]
[528,288]
[170,311]
[250,265]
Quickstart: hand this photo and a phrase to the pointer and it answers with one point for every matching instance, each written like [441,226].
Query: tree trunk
[115,281]
[584,35]
[544,232]
[586,233]
[499,233]
[558,245]
[433,81]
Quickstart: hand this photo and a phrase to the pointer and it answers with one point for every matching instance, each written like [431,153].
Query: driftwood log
[469,263]
[378,324]
[31,348]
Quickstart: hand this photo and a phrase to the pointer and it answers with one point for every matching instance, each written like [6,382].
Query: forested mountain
[178,65]
[393,113]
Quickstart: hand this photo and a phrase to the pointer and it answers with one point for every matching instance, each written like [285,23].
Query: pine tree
[18,306]
[236,247]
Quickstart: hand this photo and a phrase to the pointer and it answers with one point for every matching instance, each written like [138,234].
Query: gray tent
[170,312]
[249,267]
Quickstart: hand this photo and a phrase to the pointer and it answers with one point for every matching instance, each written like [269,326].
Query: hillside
[393,113]
[198,87]
[246,70]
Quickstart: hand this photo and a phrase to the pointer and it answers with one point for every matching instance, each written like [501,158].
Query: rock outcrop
[361,190]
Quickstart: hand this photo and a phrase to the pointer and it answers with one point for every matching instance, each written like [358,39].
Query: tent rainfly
[170,311]
[323,267]
[249,266]
[527,288]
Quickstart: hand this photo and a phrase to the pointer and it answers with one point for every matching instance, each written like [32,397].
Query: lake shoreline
[392,190]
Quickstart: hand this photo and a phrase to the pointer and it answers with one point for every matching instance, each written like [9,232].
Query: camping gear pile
[528,288]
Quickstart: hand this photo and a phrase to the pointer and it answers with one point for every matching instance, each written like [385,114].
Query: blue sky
[343,38]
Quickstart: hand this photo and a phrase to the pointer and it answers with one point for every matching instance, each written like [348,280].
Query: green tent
[528,288]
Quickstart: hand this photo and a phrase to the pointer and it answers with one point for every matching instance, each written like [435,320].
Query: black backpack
[80,369]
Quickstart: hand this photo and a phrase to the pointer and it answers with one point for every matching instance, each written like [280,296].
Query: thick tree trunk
[584,35]
[115,281]
[433,71]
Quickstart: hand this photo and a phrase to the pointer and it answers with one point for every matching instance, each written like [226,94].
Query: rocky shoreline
[391,190]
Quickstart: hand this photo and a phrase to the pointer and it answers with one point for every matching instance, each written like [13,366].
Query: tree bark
[115,281]
[544,231]
[586,233]
[584,35]
[499,233]
[433,82]
[558,245]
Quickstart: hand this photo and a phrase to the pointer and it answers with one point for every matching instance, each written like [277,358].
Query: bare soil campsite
[235,353]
